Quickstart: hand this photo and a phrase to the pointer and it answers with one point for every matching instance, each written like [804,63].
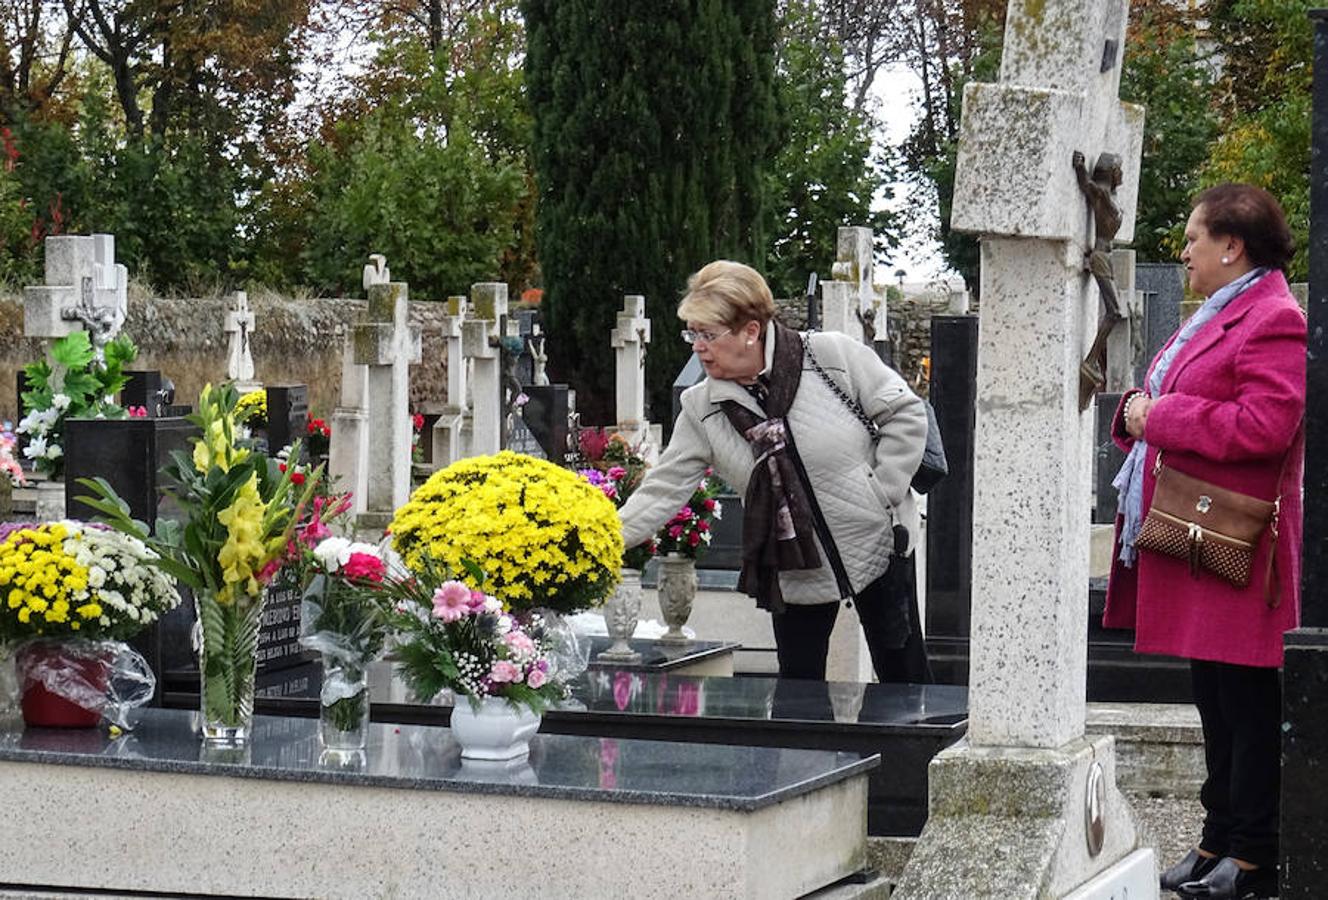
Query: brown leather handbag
[1213,528]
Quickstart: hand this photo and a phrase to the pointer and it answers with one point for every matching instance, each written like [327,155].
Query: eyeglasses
[708,337]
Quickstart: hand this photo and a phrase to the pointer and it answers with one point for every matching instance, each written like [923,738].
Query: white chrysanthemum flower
[54,452]
[60,401]
[96,576]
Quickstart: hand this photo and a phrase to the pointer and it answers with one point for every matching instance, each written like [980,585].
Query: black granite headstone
[143,389]
[287,415]
[1163,287]
[1304,832]
[692,373]
[1107,460]
[279,635]
[129,454]
[545,417]
[953,394]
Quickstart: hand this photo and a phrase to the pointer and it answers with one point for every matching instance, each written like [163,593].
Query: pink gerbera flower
[451,601]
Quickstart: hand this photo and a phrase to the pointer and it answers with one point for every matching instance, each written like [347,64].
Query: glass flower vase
[227,663]
[343,710]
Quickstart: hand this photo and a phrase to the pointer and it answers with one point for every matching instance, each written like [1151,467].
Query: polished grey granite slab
[415,757]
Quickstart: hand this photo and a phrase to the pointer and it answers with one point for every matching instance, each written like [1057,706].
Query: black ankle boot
[1228,881]
[1193,867]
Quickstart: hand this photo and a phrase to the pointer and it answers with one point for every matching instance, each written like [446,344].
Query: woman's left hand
[1137,415]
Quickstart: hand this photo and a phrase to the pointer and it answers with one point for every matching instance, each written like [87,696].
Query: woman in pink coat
[1223,402]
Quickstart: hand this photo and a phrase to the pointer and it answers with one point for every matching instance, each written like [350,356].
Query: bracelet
[1125,411]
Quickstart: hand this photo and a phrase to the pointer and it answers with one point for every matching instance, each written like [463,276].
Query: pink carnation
[675,531]
[504,671]
[364,566]
[709,504]
[519,643]
[536,678]
[451,601]
[694,538]
[616,472]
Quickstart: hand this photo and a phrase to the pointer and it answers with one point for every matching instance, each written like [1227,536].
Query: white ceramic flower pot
[494,730]
[621,613]
[677,590]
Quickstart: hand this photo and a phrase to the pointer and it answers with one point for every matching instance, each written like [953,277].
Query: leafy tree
[426,163]
[950,43]
[1264,99]
[824,174]
[654,130]
[1164,72]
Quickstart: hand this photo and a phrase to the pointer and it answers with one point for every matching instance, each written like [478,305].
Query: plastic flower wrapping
[543,536]
[88,589]
[343,616]
[689,531]
[78,381]
[454,637]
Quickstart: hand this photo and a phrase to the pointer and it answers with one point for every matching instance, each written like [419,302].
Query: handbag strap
[873,430]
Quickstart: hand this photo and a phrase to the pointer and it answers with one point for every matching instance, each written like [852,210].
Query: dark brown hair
[1253,215]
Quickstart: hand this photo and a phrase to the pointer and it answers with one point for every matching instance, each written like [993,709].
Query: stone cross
[348,450]
[1016,188]
[239,324]
[85,289]
[451,432]
[480,346]
[629,339]
[849,301]
[387,344]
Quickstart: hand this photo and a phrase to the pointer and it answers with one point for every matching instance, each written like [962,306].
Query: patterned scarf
[1129,481]
[777,531]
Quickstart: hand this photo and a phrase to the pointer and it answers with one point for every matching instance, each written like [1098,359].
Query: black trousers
[888,610]
[1241,711]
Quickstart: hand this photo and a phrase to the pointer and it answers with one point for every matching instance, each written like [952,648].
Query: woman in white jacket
[821,439]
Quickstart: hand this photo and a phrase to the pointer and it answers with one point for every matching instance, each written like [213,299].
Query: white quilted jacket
[861,491]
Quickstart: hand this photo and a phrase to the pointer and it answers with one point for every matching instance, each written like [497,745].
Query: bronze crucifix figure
[1100,192]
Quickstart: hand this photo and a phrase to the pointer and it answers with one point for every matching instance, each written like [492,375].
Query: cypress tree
[654,126]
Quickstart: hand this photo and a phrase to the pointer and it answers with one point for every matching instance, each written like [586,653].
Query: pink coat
[1231,406]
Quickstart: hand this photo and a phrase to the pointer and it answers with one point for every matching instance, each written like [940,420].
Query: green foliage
[1162,72]
[824,175]
[75,384]
[1264,98]
[654,131]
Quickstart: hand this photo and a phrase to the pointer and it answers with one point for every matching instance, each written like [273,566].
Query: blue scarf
[1129,481]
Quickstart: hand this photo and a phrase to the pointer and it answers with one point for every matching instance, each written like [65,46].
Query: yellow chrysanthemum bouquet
[544,537]
[238,513]
[70,594]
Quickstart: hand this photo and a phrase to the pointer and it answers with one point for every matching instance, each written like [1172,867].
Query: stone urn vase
[677,590]
[621,612]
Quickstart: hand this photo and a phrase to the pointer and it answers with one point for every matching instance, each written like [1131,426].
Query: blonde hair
[727,293]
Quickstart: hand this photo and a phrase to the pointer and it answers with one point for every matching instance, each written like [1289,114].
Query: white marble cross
[849,297]
[1027,779]
[479,345]
[629,339]
[239,325]
[387,344]
[85,289]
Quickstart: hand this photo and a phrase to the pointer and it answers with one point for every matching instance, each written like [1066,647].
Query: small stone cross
[629,338]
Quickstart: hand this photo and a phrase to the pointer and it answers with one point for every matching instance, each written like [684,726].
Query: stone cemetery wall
[909,323]
[294,341]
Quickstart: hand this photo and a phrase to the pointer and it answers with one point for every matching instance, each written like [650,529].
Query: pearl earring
[750,342]
[1226,260]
